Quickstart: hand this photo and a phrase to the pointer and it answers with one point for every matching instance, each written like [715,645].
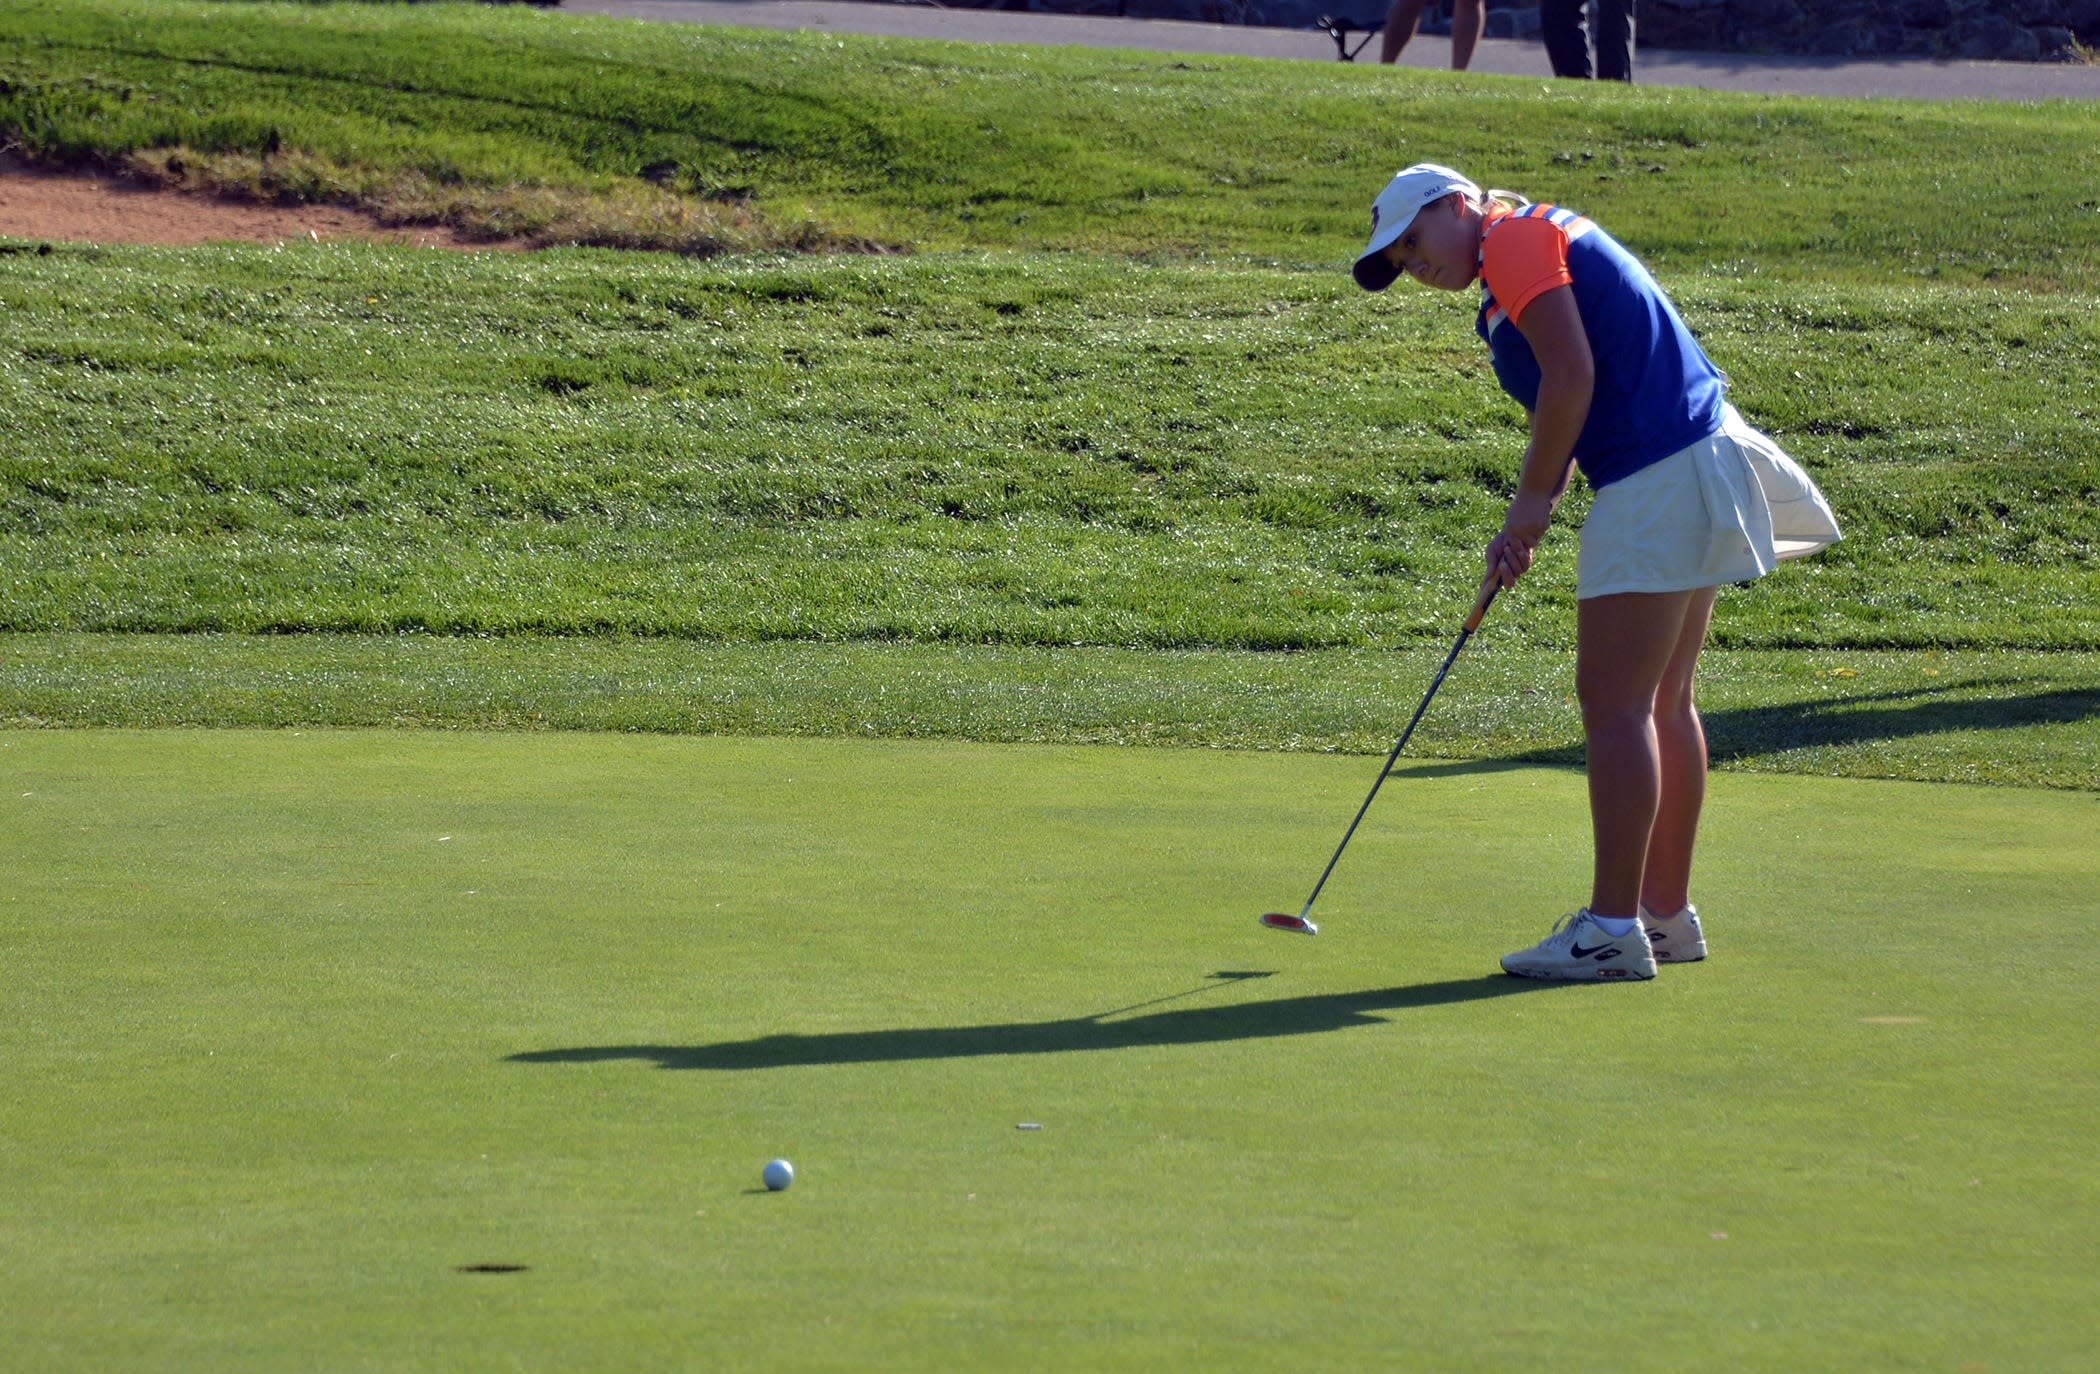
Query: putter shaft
[1487,598]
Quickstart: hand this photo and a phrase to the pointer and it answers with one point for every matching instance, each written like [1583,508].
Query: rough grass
[989,449]
[1999,717]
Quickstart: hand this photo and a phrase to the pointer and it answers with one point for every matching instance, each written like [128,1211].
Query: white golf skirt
[1727,509]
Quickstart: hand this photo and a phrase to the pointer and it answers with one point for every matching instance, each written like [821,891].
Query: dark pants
[1568,46]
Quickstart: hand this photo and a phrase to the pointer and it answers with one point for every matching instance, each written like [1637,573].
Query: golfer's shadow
[1187,1026]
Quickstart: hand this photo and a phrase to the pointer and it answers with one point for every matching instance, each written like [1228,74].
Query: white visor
[1425,183]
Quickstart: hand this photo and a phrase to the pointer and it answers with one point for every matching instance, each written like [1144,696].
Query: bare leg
[1400,23]
[1666,886]
[1468,22]
[1624,647]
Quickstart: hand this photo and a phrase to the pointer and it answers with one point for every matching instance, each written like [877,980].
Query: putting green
[297,1027]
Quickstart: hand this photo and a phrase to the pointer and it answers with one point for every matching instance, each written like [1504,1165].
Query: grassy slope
[1013,449]
[952,145]
[1035,450]
[313,1020]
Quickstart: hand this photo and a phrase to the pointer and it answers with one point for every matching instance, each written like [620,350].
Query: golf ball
[779,1174]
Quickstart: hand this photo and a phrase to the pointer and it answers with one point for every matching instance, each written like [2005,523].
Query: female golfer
[1687,497]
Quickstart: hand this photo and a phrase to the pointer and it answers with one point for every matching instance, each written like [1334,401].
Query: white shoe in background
[1675,939]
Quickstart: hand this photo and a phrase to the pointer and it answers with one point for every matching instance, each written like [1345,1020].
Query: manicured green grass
[1009,449]
[300,1024]
[700,138]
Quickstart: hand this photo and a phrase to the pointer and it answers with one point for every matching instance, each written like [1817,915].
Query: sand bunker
[94,209]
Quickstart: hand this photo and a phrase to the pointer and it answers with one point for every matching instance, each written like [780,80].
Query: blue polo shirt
[1656,390]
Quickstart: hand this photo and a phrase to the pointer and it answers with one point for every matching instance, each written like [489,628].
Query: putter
[1302,922]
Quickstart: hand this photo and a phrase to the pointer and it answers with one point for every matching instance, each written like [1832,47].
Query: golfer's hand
[1509,553]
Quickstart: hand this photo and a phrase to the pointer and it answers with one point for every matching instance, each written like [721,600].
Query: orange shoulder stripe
[1522,259]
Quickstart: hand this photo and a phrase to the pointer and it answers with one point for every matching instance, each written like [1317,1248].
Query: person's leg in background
[1400,21]
[1613,22]
[1567,42]
[1468,22]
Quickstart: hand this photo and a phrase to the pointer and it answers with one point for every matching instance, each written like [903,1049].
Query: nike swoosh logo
[1611,951]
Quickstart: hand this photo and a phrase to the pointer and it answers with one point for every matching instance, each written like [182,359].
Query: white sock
[1615,926]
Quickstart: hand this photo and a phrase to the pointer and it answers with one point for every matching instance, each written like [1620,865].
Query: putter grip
[1480,607]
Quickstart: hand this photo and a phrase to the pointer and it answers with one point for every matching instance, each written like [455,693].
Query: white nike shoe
[1578,950]
[1675,939]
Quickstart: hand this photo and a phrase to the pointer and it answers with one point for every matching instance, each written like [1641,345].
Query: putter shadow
[1313,1015]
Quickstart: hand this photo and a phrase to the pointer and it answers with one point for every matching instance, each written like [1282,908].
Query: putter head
[1278,920]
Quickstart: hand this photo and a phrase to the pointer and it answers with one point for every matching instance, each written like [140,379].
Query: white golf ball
[779,1174]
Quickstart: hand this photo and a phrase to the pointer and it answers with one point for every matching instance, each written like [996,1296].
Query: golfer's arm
[1552,325]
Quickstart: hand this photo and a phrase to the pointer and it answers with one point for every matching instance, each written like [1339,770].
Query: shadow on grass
[1202,1026]
[1750,732]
